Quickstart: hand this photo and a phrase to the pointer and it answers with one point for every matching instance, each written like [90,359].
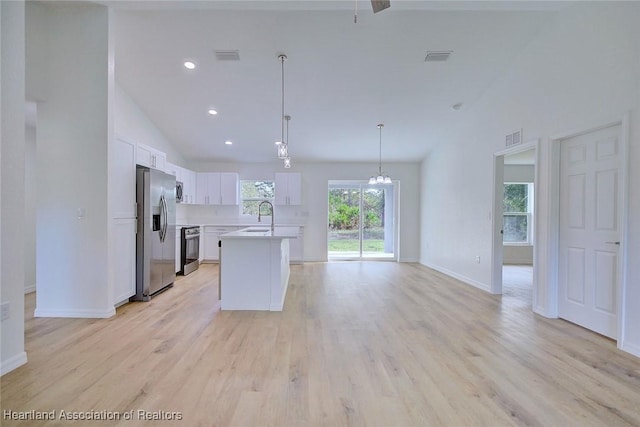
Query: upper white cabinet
[288,189]
[217,188]
[189,188]
[150,157]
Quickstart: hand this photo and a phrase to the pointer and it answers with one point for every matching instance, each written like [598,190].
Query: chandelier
[381,178]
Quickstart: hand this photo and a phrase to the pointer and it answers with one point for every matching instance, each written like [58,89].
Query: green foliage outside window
[344,208]
[254,192]
[516,208]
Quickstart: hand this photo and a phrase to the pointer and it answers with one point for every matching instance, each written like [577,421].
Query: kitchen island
[254,268]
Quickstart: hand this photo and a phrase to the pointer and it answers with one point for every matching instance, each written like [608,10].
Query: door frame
[497,248]
[553,243]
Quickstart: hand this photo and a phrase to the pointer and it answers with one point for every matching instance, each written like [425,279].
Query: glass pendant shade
[283,151]
[287,163]
[380,178]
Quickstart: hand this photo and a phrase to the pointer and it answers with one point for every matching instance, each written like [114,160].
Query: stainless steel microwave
[179,190]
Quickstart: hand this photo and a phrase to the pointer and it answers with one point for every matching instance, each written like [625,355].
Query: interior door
[590,217]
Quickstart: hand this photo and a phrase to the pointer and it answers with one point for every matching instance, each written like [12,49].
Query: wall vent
[440,56]
[514,138]
[227,55]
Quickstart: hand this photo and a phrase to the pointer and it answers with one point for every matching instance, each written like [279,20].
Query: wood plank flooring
[358,343]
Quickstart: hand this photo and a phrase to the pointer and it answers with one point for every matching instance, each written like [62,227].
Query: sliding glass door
[360,223]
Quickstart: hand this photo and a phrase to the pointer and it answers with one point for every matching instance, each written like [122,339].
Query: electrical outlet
[5,311]
[478,259]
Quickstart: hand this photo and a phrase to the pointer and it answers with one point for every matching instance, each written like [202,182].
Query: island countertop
[263,232]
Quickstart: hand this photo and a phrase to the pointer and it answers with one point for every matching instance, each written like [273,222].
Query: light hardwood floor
[359,343]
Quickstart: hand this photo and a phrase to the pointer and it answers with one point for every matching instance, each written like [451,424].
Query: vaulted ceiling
[341,78]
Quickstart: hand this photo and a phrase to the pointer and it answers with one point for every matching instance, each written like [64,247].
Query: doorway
[513,269]
[360,221]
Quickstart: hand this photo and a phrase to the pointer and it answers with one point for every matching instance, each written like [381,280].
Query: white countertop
[231,224]
[262,232]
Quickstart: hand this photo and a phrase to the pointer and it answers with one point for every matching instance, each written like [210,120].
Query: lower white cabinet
[124,259]
[178,248]
[201,247]
[211,236]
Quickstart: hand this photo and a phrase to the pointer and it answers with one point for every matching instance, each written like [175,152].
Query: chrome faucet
[272,215]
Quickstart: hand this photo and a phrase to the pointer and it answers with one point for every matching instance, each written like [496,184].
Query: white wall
[314,209]
[132,124]
[556,85]
[74,130]
[12,184]
[30,201]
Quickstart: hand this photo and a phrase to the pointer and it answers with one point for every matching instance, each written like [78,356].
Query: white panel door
[590,215]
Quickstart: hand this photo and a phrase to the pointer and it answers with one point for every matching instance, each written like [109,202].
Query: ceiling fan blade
[379,5]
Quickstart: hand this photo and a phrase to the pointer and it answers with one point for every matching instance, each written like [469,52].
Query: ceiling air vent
[227,55]
[437,56]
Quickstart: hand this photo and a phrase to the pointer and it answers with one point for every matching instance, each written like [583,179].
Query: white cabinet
[296,248]
[150,157]
[178,248]
[201,247]
[288,189]
[123,179]
[122,198]
[217,188]
[189,186]
[124,259]
[211,236]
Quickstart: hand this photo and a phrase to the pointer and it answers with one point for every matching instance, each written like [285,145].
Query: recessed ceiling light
[189,65]
[212,112]
[228,142]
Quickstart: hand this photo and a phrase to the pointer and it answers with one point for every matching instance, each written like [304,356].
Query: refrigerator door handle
[163,218]
[166,219]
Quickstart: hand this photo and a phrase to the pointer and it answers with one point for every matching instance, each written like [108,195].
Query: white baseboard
[408,260]
[630,348]
[460,277]
[13,363]
[542,312]
[29,289]
[86,314]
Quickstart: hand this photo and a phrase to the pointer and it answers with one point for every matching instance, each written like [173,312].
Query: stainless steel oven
[190,249]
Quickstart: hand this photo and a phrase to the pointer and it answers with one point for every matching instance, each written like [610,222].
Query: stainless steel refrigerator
[156,233]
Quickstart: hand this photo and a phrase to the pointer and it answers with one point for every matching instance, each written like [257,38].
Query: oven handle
[191,236]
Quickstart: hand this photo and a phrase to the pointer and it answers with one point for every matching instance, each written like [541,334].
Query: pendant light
[381,178]
[283,146]
[287,159]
